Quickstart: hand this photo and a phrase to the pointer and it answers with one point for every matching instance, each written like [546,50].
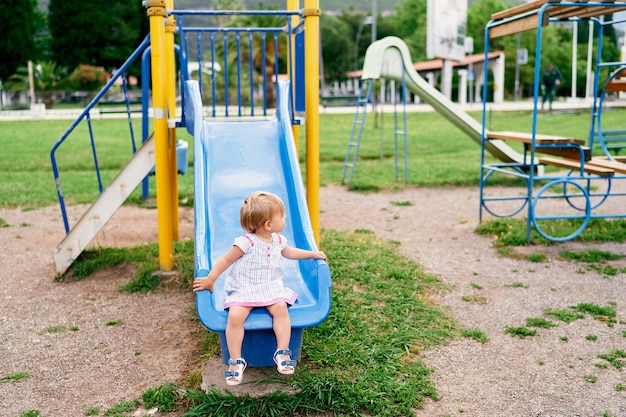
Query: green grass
[521,332]
[364,359]
[14,377]
[439,154]
[512,231]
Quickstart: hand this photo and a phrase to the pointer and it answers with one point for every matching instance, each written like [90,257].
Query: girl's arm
[295,253]
[220,266]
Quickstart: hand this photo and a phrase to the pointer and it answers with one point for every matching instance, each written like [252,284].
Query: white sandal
[235,377]
[285,367]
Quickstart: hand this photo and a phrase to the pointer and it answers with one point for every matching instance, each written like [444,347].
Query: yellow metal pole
[170,73]
[157,12]
[293,5]
[312,76]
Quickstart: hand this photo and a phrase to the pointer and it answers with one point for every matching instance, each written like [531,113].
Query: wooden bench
[338,101]
[539,139]
[589,167]
[566,147]
[525,16]
[614,139]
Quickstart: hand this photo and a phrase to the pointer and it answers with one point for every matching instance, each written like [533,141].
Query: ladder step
[399,132]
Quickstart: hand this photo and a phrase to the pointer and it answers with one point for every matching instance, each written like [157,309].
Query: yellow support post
[293,5]
[312,76]
[170,73]
[157,13]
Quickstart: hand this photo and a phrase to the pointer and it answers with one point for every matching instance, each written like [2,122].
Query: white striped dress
[256,279]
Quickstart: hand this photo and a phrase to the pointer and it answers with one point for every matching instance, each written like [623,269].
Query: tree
[335,47]
[410,23]
[478,15]
[48,78]
[101,34]
[21,21]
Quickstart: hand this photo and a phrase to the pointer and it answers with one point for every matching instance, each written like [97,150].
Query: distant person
[549,83]
[256,279]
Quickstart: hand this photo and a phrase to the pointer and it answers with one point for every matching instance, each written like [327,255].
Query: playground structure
[593,172]
[389,58]
[237,73]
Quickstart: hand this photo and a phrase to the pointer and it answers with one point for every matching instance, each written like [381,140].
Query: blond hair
[258,208]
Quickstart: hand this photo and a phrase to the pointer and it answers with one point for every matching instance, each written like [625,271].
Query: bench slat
[615,86]
[605,163]
[527,138]
[574,164]
[522,8]
[571,153]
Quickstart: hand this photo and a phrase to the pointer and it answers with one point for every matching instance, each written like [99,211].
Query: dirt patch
[90,362]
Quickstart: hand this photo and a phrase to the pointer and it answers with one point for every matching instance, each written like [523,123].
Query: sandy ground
[91,363]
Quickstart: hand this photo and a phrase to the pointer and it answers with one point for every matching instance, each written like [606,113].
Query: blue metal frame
[143,53]
[530,170]
[86,115]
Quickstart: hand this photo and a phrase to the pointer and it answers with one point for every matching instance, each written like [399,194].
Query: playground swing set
[236,135]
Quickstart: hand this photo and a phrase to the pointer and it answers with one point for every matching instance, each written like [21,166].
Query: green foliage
[565,315]
[48,77]
[512,232]
[92,411]
[164,397]
[520,332]
[364,359]
[478,299]
[123,407]
[103,36]
[31,413]
[591,378]
[21,22]
[476,334]
[55,329]
[336,59]
[14,377]
[145,257]
[590,255]
[536,257]
[606,313]
[540,322]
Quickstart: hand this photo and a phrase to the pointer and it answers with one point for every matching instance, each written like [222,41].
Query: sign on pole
[446,21]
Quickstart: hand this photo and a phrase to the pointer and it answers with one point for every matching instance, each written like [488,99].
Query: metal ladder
[359,120]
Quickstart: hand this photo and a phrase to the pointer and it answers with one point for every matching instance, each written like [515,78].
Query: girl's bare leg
[234,329]
[282,327]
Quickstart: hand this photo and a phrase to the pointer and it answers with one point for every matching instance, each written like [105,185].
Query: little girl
[256,279]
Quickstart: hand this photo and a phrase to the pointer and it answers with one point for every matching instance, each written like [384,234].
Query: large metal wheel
[501,206]
[568,186]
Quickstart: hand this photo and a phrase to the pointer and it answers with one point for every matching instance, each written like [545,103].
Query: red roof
[437,64]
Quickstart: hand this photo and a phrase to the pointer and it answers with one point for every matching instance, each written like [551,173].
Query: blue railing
[86,116]
[237,68]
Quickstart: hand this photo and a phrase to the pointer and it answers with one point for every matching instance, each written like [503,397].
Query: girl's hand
[320,255]
[205,283]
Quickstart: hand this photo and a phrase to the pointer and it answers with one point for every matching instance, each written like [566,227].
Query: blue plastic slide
[231,160]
